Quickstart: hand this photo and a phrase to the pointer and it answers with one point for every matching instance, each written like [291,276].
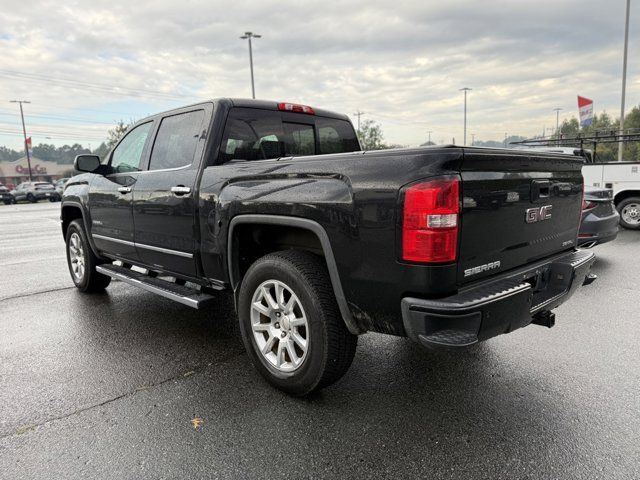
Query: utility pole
[505,139]
[358,114]
[465,90]
[473,139]
[624,78]
[557,110]
[429,132]
[249,36]
[24,132]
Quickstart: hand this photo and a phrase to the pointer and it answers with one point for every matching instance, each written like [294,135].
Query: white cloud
[401,63]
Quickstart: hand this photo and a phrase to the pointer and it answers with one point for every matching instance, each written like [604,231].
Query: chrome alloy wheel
[631,213]
[76,257]
[279,326]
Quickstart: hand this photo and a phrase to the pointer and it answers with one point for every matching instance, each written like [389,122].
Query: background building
[14,172]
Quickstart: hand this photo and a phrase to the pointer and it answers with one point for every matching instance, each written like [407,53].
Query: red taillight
[430,221]
[587,205]
[296,108]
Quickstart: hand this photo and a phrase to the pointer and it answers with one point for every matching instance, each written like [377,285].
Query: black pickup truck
[319,241]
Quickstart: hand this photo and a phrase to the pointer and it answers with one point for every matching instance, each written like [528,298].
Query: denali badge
[538,214]
[481,268]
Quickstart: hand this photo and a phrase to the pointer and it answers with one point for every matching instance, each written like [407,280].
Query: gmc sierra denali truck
[319,241]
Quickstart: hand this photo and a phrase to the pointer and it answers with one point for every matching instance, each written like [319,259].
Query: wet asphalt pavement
[106,386]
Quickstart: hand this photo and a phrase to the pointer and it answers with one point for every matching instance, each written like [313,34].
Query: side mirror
[86,163]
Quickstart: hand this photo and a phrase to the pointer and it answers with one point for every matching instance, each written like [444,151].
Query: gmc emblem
[538,214]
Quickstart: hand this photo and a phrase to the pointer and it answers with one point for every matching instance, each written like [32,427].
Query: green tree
[631,150]
[371,136]
[9,154]
[46,152]
[102,150]
[116,133]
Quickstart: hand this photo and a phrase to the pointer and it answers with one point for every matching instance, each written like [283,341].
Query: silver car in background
[35,191]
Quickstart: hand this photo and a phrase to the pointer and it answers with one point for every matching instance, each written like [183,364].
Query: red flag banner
[585,108]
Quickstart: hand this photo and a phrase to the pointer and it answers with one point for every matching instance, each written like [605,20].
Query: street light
[465,90]
[249,36]
[557,110]
[624,78]
[24,132]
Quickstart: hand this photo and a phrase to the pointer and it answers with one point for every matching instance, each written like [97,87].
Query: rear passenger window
[176,141]
[336,136]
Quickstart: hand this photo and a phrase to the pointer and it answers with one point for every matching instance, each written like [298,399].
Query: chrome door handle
[124,189]
[180,190]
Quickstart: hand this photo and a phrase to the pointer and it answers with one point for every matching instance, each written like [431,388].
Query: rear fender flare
[306,224]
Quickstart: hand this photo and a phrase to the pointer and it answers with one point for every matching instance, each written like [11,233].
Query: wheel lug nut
[278,314]
[277,325]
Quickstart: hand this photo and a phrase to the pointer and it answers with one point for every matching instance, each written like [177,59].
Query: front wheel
[291,325]
[31,198]
[82,261]
[629,210]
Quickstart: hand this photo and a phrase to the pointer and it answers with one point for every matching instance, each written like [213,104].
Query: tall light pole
[557,110]
[624,78]
[465,90]
[429,132]
[24,132]
[473,139]
[249,36]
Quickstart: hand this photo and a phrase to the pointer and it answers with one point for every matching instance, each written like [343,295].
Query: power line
[83,85]
[61,117]
[78,138]
[58,128]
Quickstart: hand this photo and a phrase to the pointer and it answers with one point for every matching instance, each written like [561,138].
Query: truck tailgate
[517,207]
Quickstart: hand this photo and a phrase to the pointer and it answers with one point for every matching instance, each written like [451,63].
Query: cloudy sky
[85,65]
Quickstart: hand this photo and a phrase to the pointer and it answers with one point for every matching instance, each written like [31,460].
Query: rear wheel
[629,210]
[291,325]
[7,202]
[82,261]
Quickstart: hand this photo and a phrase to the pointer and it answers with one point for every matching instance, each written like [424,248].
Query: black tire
[331,347]
[7,202]
[90,281]
[31,198]
[624,220]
